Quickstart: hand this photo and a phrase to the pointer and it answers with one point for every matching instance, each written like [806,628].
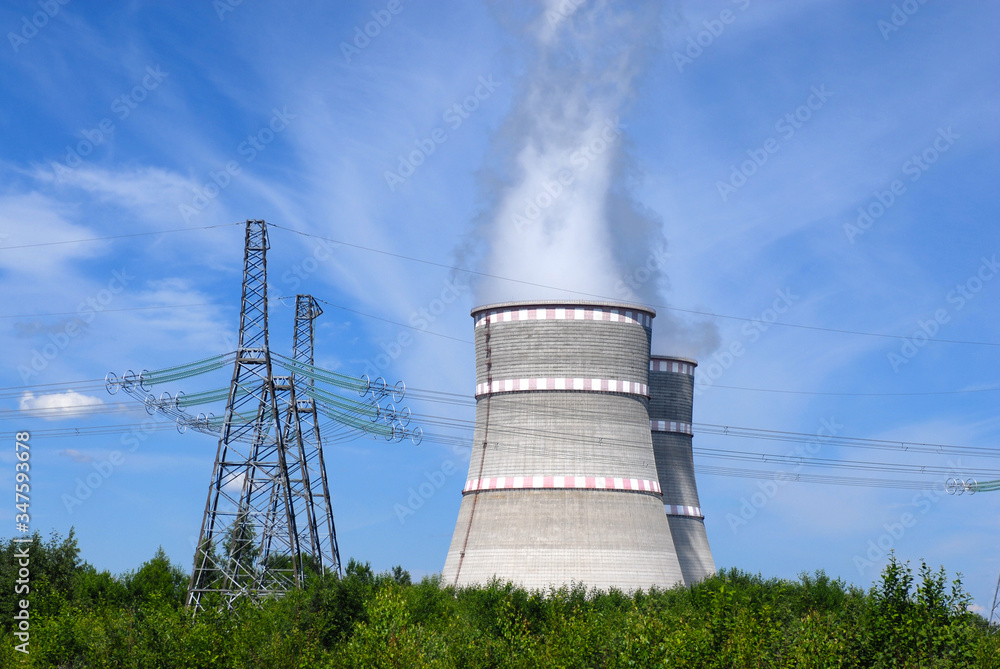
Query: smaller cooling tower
[671,396]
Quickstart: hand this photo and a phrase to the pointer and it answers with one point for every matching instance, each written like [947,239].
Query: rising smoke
[561,215]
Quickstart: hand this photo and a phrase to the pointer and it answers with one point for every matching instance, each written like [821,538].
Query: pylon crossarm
[989,486]
[368,416]
[146,379]
[370,410]
[353,383]
[140,387]
[956,486]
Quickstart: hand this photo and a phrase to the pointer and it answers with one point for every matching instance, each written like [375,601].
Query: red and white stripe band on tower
[564,313]
[678,510]
[671,365]
[595,385]
[575,482]
[670,426]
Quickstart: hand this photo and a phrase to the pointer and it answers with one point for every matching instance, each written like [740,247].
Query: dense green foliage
[84,618]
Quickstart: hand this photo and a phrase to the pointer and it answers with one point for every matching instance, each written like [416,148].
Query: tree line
[82,617]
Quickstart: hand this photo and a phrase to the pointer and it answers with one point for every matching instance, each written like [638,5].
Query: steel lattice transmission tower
[310,491]
[268,516]
[995,609]
[955,486]
[268,520]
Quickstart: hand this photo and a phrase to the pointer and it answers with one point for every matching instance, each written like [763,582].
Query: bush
[85,618]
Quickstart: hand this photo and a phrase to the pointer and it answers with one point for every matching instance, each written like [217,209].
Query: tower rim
[673,358]
[569,304]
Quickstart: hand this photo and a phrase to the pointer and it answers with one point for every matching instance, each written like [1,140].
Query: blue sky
[134,117]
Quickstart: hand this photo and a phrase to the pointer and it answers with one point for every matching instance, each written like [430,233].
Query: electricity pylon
[268,519]
[995,609]
[268,516]
[309,491]
[971,486]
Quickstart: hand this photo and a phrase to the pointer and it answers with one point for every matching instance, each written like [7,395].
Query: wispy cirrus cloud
[58,406]
[31,218]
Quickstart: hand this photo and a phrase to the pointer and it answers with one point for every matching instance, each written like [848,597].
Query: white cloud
[32,218]
[75,455]
[58,406]
[143,188]
[195,328]
[234,487]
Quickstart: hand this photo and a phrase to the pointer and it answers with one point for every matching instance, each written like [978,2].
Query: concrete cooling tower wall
[563,484]
[671,397]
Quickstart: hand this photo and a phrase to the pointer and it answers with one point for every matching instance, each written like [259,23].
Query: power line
[569,451]
[734,431]
[812,392]
[76,313]
[457,269]
[767,474]
[276,300]
[379,318]
[824,479]
[465,425]
[853,442]
[133,234]
[615,299]
[462,399]
[92,384]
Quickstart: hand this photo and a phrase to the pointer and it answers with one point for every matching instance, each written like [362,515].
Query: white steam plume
[562,218]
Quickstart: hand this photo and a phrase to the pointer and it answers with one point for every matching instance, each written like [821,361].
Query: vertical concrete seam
[482,458]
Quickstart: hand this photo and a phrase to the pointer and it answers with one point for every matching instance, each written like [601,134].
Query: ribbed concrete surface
[529,349]
[564,433]
[675,467]
[671,399]
[543,538]
[693,551]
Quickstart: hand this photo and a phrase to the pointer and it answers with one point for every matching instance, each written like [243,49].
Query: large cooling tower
[671,394]
[562,482]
